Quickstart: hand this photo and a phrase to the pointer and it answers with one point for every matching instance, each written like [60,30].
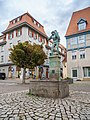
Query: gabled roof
[25,19]
[81,20]
[76,16]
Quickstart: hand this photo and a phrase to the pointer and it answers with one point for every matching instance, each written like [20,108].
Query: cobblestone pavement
[7,86]
[20,106]
[80,86]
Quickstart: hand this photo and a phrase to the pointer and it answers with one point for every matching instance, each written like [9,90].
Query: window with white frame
[82,54]
[2,58]
[39,39]
[38,25]
[86,71]
[18,32]
[82,26]
[30,34]
[74,72]
[74,55]
[43,40]
[81,39]
[14,21]
[11,45]
[34,22]
[73,41]
[2,48]
[35,36]
[11,35]
[18,19]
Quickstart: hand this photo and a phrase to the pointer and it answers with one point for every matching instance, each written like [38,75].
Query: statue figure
[56,39]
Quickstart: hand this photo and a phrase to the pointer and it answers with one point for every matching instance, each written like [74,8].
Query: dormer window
[18,19]
[14,21]
[38,25]
[34,22]
[82,24]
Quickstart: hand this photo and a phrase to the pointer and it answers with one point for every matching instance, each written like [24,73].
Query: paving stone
[18,105]
[5,119]
[11,118]
[4,116]
[1,118]
[16,118]
[58,118]
[41,119]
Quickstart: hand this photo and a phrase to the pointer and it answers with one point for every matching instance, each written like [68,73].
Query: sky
[52,14]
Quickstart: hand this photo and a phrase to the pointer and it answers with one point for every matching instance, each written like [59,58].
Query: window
[30,34]
[2,48]
[86,71]
[18,32]
[11,35]
[18,19]
[81,39]
[2,58]
[73,41]
[73,55]
[82,54]
[39,39]
[50,54]
[35,36]
[74,73]
[10,45]
[14,21]
[8,56]
[43,40]
[38,25]
[82,26]
[53,71]
[34,22]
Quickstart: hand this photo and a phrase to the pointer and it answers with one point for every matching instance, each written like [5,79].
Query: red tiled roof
[73,28]
[26,18]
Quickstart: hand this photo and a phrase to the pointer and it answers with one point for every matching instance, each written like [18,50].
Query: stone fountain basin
[50,89]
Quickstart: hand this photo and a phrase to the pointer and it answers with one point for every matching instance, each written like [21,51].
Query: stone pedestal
[54,67]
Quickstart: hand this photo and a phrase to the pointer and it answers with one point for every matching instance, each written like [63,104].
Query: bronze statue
[56,39]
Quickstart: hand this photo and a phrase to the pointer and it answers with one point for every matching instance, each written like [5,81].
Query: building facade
[21,29]
[78,45]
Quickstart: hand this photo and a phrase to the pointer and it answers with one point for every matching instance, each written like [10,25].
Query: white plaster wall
[24,37]
[78,63]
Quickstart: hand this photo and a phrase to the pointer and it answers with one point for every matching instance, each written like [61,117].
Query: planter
[53,89]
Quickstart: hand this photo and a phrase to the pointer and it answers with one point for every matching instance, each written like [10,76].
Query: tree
[25,55]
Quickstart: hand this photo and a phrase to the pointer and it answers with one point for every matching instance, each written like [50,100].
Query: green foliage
[67,78]
[29,94]
[25,55]
[38,55]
